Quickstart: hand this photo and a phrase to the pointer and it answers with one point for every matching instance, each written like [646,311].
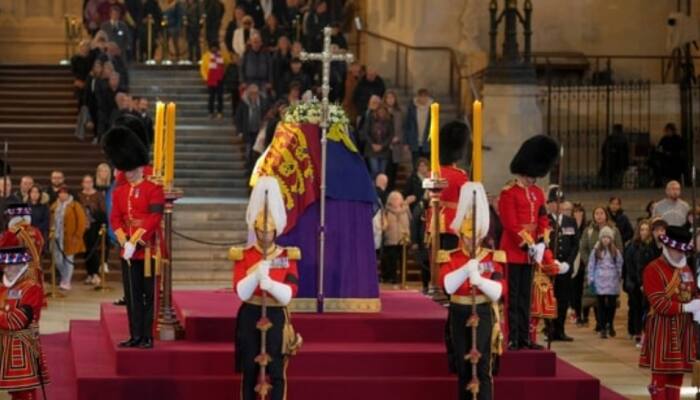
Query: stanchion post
[166,43]
[52,246]
[103,260]
[169,327]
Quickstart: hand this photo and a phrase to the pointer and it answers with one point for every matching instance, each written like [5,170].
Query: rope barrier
[87,256]
[207,243]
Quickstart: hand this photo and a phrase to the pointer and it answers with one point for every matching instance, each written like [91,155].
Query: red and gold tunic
[27,236]
[283,266]
[669,333]
[137,210]
[524,218]
[490,266]
[22,358]
[543,304]
[449,198]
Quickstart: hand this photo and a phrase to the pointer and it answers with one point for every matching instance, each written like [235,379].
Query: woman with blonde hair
[103,177]
[397,232]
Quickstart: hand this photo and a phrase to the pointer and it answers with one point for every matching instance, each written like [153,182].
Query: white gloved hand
[263,270]
[692,307]
[266,283]
[129,250]
[696,317]
[536,252]
[474,274]
[563,268]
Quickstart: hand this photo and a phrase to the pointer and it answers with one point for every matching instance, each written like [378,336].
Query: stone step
[218,183]
[217,192]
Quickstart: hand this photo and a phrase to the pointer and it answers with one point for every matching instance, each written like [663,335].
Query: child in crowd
[396,233]
[604,276]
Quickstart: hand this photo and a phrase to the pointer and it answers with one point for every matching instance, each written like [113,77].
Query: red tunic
[283,268]
[137,210]
[22,358]
[543,303]
[490,267]
[669,333]
[524,220]
[449,198]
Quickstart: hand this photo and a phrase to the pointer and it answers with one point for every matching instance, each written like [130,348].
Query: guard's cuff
[121,236]
[136,237]
[527,239]
[544,236]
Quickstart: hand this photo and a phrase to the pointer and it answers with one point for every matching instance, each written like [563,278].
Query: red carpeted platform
[396,354]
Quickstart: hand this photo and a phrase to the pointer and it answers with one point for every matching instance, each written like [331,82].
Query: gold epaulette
[443,256]
[509,184]
[155,179]
[293,253]
[499,256]
[235,253]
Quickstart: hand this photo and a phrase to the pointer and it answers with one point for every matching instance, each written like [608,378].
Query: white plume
[464,208]
[275,203]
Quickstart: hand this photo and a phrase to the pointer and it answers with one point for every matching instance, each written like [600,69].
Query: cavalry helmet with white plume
[462,222]
[276,211]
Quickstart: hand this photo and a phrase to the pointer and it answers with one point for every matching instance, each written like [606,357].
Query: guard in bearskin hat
[265,277]
[137,211]
[669,344]
[21,297]
[525,231]
[453,140]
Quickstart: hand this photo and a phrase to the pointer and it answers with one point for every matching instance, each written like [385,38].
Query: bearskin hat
[136,125]
[453,140]
[124,149]
[536,157]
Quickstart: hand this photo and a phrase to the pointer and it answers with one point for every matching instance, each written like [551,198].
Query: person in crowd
[235,23]
[618,217]
[193,14]
[242,35]
[58,180]
[638,254]
[669,156]
[248,120]
[256,65]
[134,11]
[103,178]
[106,102]
[615,157]
[604,277]
[564,245]
[371,84]
[141,111]
[173,15]
[295,74]
[214,10]
[396,234]
[417,125]
[578,276]
[117,30]
[104,10]
[567,208]
[275,116]
[80,68]
[378,133]
[212,69]
[670,337]
[352,78]
[25,183]
[69,224]
[294,95]
[337,37]
[91,16]
[94,80]
[414,193]
[152,8]
[232,81]
[255,9]
[93,202]
[397,144]
[314,22]
[118,62]
[281,66]
[41,215]
[290,17]
[271,32]
[672,209]
[364,120]
[381,184]
[588,241]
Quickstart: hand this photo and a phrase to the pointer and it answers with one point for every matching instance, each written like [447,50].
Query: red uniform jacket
[20,310]
[669,333]
[283,269]
[490,266]
[449,198]
[137,210]
[524,220]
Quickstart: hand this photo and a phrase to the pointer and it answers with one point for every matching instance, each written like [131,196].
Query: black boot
[146,343]
[131,342]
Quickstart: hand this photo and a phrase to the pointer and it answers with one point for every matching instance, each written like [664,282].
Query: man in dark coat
[152,8]
[249,120]
[214,10]
[565,248]
[670,152]
[371,84]
[616,158]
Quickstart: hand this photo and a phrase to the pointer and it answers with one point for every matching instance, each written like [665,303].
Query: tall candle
[158,140]
[435,140]
[169,145]
[477,141]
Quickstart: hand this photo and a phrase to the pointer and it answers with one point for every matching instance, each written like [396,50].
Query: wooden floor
[613,361]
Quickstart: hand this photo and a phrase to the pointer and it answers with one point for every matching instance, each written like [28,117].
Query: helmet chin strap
[675,263]
[9,282]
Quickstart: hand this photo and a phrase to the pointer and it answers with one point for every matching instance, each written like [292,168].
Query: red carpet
[397,354]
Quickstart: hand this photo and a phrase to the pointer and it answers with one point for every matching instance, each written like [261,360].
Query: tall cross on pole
[326,57]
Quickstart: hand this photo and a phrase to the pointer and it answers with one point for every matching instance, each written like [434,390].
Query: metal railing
[460,87]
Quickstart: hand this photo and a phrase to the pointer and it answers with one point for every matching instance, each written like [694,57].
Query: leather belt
[270,302]
[467,300]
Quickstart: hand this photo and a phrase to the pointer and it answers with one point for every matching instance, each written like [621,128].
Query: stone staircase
[37,117]
[209,156]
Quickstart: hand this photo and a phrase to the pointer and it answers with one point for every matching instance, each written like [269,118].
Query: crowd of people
[69,219]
